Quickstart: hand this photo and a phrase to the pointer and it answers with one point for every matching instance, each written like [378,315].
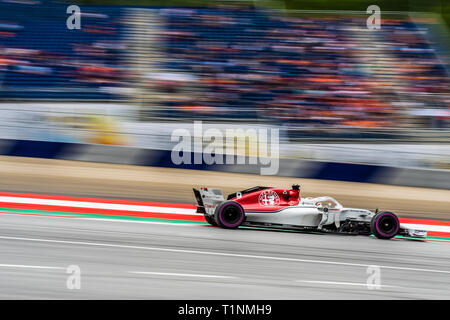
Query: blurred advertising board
[64,122]
[115,124]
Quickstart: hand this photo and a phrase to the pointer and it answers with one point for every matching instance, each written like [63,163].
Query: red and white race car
[284,208]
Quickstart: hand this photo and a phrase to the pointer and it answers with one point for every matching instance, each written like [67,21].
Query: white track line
[342,283]
[182,274]
[223,254]
[27,266]
[97,205]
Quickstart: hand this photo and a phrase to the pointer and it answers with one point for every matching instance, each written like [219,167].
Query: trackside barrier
[287,167]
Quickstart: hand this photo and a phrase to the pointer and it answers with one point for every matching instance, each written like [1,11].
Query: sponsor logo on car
[269,198]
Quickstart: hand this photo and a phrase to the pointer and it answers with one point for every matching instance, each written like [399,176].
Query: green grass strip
[99,216]
[438,238]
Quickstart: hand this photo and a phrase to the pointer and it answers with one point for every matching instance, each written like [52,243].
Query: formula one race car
[283,208]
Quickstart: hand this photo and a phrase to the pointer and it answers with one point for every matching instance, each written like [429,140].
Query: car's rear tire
[229,215]
[385,225]
[210,220]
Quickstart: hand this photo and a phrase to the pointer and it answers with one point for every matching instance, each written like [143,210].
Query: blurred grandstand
[321,75]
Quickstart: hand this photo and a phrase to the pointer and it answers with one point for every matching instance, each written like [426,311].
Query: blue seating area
[46,60]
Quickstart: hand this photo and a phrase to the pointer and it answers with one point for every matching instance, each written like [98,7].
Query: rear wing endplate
[208,199]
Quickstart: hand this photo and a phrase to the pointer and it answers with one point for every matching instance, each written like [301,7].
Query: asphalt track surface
[146,260]
[130,260]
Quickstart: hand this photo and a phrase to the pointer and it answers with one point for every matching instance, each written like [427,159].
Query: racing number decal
[269,198]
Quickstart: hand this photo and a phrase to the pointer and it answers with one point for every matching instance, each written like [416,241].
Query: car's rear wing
[208,199]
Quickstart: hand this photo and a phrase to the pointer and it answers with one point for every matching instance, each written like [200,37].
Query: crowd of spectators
[312,71]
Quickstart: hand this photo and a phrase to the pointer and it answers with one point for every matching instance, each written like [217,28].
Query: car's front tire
[229,215]
[385,225]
